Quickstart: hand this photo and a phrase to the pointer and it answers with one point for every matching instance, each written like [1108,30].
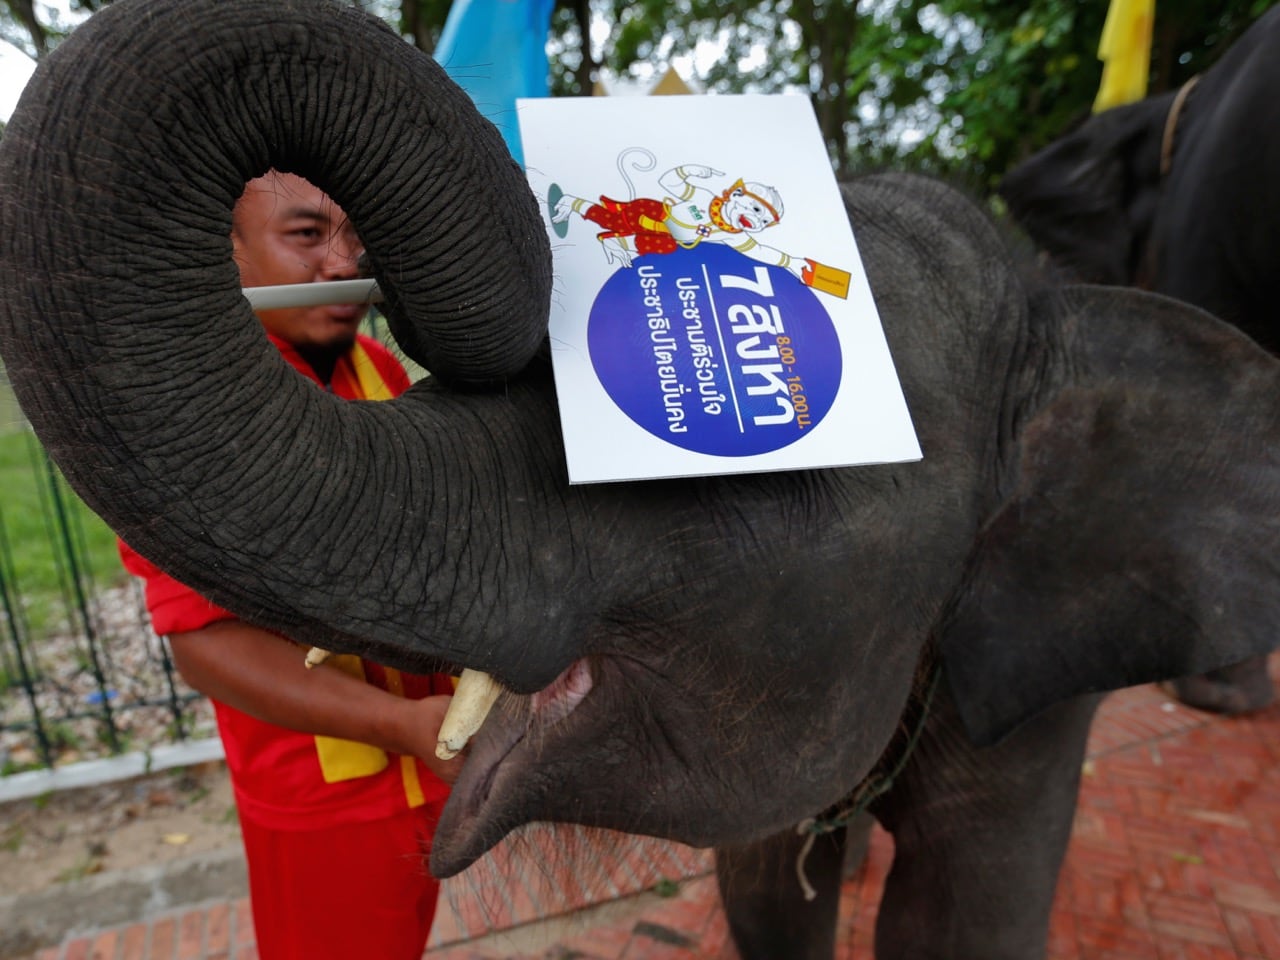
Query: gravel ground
[138,687]
[54,840]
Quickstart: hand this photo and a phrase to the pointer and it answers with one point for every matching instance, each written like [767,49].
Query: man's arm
[264,675]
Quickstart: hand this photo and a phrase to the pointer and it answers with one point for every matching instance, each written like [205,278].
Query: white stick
[312,294]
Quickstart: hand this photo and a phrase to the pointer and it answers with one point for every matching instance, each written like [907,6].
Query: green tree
[22,25]
[1004,79]
[419,21]
[22,28]
[959,87]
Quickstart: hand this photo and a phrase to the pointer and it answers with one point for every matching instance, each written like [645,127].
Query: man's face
[746,212]
[284,230]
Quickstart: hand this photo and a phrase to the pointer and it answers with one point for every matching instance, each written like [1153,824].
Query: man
[334,769]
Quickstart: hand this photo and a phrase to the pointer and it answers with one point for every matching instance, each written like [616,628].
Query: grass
[11,837]
[89,864]
[10,415]
[40,546]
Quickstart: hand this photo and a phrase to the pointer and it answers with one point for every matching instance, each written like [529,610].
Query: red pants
[621,218]
[360,890]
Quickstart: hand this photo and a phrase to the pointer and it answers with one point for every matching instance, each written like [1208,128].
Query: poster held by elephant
[711,313]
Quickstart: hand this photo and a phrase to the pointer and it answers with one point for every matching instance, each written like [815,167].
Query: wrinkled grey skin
[1096,507]
[1207,233]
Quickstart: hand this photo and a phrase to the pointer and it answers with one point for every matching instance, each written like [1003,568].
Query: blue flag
[496,50]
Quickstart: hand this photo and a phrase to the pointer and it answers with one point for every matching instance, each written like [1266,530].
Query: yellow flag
[1125,52]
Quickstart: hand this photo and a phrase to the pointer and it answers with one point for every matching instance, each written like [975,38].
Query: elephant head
[1173,193]
[1090,198]
[709,660]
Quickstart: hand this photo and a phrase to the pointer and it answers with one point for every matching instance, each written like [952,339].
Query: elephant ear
[1088,199]
[1140,537]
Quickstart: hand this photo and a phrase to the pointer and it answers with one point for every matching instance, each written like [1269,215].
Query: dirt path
[167,816]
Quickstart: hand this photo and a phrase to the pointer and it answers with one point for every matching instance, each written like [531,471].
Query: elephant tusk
[316,656]
[472,701]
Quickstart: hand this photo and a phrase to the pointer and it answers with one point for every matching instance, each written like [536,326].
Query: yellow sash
[371,383]
[348,759]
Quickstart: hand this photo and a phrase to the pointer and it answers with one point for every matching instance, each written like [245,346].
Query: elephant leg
[1239,688]
[979,837]
[769,917]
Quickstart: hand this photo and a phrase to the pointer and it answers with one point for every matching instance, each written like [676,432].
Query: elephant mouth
[564,694]
[505,751]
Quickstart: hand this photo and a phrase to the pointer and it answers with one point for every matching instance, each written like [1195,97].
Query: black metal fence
[82,675]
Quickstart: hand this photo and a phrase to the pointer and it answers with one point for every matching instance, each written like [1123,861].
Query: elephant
[742,662]
[1176,193]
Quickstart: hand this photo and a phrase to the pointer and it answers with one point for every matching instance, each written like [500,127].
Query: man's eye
[308,233]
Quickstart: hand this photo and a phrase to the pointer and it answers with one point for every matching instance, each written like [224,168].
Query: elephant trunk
[136,359]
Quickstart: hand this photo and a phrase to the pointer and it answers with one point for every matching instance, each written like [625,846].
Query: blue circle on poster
[714,352]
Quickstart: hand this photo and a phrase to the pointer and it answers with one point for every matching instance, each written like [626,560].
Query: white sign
[710,313]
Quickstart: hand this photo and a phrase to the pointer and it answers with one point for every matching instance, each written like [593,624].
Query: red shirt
[283,779]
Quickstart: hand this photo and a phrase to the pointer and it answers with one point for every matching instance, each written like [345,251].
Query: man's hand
[700,171]
[265,676]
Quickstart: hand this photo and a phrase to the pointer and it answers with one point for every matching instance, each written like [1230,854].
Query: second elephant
[713,660]
[1178,194]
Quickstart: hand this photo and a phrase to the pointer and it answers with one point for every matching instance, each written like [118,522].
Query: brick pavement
[1175,855]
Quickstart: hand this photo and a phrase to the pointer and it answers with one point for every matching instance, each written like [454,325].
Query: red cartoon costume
[642,219]
[662,226]
[345,825]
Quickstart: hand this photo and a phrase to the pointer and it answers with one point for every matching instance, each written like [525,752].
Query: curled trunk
[139,363]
